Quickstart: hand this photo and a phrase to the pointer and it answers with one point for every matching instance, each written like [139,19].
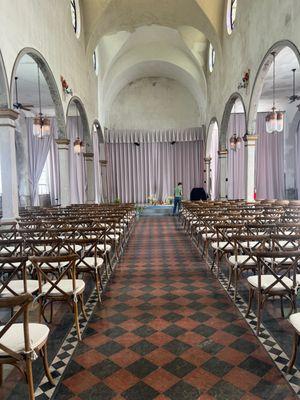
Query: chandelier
[79,146]
[41,123]
[235,141]
[274,119]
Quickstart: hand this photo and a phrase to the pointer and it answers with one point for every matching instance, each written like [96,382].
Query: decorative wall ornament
[245,80]
[294,97]
[66,89]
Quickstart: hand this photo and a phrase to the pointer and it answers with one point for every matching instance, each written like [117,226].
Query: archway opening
[278,149]
[35,97]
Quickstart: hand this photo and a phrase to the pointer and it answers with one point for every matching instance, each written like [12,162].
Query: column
[223,170]
[103,167]
[64,173]
[90,172]
[10,197]
[250,166]
[207,176]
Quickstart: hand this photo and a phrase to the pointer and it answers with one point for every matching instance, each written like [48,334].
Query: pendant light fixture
[78,143]
[41,123]
[274,119]
[235,141]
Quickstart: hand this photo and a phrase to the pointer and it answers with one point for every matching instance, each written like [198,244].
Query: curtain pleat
[153,169]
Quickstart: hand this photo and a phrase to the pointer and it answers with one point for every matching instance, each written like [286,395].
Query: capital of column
[251,140]
[8,117]
[103,163]
[223,153]
[88,156]
[63,143]
[207,160]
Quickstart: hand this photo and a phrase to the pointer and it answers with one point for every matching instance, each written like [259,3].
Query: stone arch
[226,116]
[82,113]
[96,124]
[4,91]
[209,133]
[260,77]
[49,77]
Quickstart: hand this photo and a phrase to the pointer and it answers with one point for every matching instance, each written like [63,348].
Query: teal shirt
[178,191]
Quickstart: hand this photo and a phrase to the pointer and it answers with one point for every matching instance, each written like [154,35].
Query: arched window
[211,58]
[95,61]
[74,14]
[231,15]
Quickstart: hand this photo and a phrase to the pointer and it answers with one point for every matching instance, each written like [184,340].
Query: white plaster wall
[154,103]
[46,26]
[260,23]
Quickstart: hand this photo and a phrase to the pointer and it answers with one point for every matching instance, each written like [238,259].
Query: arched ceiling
[152,38]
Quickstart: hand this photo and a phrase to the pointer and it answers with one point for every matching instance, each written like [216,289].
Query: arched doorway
[277,154]
[212,147]
[80,148]
[36,98]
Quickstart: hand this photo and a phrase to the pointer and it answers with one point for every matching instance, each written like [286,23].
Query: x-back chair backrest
[226,231]
[247,244]
[88,249]
[288,228]
[285,242]
[43,247]
[59,267]
[11,248]
[280,265]
[12,268]
[20,303]
[260,229]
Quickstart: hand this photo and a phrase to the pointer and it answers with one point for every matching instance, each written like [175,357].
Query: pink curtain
[97,169]
[78,181]
[54,165]
[38,152]
[236,158]
[213,153]
[269,162]
[153,168]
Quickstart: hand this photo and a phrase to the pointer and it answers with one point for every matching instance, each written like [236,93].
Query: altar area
[157,210]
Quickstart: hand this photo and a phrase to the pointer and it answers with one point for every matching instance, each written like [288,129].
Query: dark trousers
[177,203]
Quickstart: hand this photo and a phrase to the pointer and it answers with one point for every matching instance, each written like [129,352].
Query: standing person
[177,197]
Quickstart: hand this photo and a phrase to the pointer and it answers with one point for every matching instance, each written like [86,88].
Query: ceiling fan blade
[25,108]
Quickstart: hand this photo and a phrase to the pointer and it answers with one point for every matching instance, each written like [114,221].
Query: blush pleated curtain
[38,152]
[236,158]
[78,181]
[54,177]
[269,162]
[153,168]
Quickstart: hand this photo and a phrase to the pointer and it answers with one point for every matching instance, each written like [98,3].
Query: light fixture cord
[274,55]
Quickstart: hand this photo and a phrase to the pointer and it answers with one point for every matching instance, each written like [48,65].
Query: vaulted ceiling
[152,38]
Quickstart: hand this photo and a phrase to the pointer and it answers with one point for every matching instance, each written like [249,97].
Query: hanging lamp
[41,123]
[274,119]
[78,143]
[235,141]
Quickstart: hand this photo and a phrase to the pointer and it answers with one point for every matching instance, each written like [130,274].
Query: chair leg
[76,320]
[251,294]
[29,378]
[294,353]
[236,278]
[1,374]
[259,312]
[82,306]
[281,306]
[97,285]
[44,354]
[230,278]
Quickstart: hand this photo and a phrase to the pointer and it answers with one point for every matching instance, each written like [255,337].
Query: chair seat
[295,321]
[14,337]
[209,235]
[250,244]
[7,250]
[107,247]
[267,280]
[91,262]
[278,260]
[40,249]
[242,259]
[66,285]
[113,237]
[18,287]
[222,246]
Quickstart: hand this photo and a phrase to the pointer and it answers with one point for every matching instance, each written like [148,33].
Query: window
[211,58]
[74,14]
[231,15]
[43,187]
[95,61]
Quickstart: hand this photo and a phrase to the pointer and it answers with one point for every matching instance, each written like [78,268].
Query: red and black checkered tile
[168,330]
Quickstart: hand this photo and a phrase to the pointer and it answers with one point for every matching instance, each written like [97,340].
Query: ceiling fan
[17,104]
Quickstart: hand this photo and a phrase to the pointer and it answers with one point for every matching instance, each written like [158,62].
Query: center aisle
[167,330]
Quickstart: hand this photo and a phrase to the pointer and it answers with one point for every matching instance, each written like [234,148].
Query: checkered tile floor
[167,330]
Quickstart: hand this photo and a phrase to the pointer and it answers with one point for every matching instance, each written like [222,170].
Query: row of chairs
[259,241]
[45,258]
